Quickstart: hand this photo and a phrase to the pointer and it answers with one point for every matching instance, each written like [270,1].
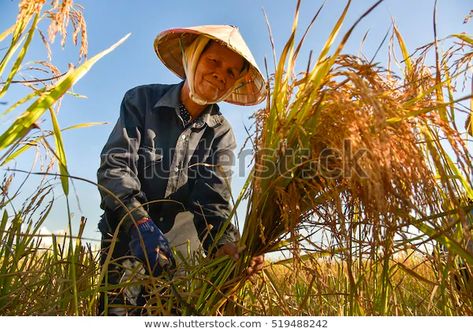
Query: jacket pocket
[151,163]
[150,154]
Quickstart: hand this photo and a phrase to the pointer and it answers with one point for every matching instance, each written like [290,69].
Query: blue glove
[156,248]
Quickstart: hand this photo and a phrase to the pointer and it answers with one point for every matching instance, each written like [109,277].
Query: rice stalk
[364,154]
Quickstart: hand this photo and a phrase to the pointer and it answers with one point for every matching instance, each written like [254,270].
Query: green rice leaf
[22,101]
[463,36]
[7,32]
[77,95]
[20,57]
[60,152]
[420,111]
[321,69]
[448,85]
[333,34]
[17,29]
[24,123]
[8,55]
[34,142]
[19,151]
[84,125]
[444,239]
[405,52]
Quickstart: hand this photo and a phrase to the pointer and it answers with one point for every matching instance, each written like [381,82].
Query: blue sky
[134,62]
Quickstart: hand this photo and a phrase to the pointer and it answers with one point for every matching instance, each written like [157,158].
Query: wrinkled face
[217,71]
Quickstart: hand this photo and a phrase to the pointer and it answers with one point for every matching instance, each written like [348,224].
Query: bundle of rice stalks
[357,150]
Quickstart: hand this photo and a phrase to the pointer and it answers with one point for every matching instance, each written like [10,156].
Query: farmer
[164,173]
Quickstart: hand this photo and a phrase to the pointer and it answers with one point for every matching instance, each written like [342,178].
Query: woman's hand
[230,249]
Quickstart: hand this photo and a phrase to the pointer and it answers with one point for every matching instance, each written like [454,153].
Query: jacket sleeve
[117,175]
[211,194]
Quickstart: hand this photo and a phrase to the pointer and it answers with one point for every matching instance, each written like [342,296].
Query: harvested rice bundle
[356,148]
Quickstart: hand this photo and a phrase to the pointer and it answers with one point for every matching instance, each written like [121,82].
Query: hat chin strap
[201,101]
[196,98]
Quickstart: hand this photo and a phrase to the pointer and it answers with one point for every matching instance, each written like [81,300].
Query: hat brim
[169,46]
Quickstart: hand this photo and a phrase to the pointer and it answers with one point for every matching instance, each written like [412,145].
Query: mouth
[213,85]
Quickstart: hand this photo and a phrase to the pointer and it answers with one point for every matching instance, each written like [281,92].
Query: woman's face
[217,71]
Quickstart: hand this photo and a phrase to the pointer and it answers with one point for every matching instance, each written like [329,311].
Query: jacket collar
[210,116]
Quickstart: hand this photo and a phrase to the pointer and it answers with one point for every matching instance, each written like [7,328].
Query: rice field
[361,176]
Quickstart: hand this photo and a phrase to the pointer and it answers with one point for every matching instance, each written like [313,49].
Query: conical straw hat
[169,45]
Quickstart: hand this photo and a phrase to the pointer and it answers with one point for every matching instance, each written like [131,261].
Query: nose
[219,78]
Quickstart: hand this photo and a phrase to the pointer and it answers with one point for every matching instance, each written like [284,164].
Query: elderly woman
[164,173]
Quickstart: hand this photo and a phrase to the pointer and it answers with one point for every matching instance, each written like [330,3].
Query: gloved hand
[156,248]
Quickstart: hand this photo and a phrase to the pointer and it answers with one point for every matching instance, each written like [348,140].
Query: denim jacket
[157,166]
